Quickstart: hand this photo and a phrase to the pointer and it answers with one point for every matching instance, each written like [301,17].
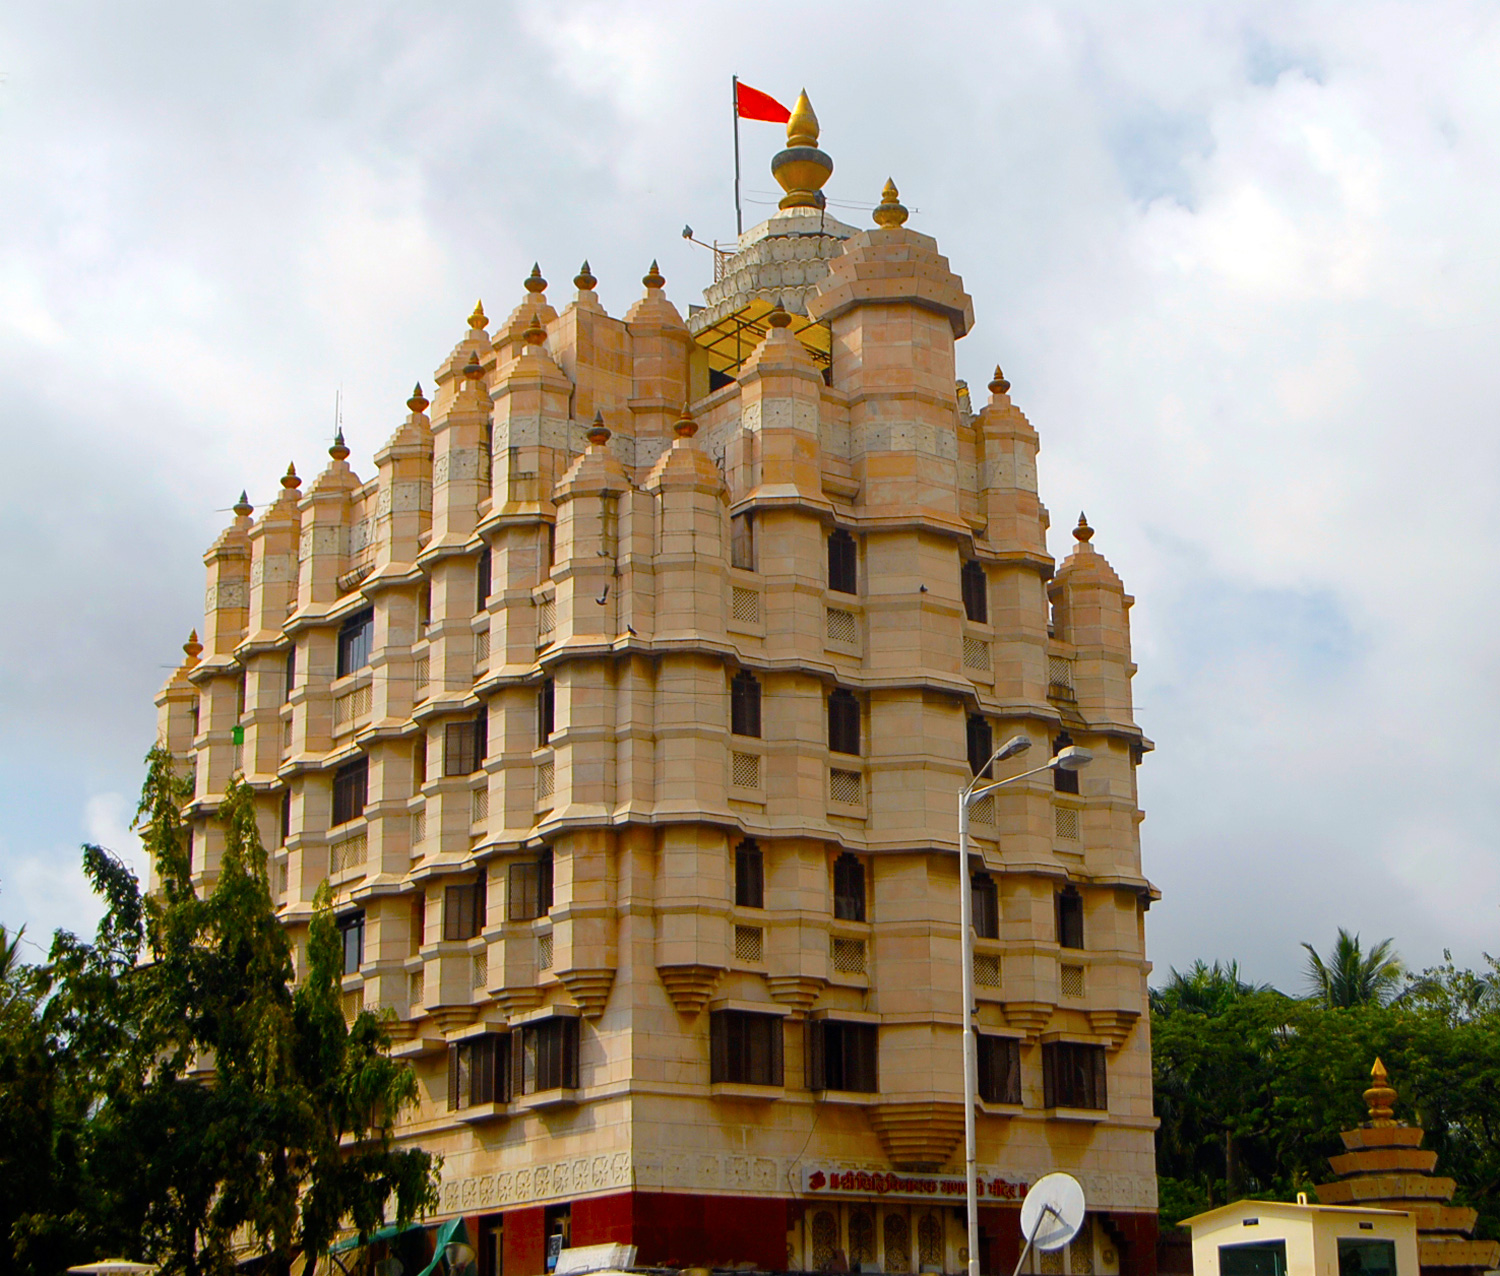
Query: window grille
[479,972]
[987,970]
[354,1002]
[744,704]
[976,654]
[286,736]
[930,1247]
[983,811]
[418,829]
[1066,823]
[546,620]
[1059,678]
[744,605]
[849,956]
[546,776]
[843,1056]
[544,951]
[351,706]
[421,675]
[842,626]
[348,854]
[749,876]
[416,988]
[846,787]
[999,1069]
[897,1233]
[1081,1250]
[976,592]
[862,1238]
[744,770]
[1071,980]
[482,649]
[749,944]
[745,1048]
[481,804]
[282,876]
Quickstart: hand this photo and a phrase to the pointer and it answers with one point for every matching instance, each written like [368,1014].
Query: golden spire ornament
[802,169]
[1380,1096]
[890,212]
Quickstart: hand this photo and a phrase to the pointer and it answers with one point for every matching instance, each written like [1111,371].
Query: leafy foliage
[1352,977]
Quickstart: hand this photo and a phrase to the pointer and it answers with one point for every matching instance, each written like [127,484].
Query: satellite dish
[1052,1212]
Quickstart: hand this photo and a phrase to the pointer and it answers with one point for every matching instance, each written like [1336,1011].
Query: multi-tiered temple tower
[627,734]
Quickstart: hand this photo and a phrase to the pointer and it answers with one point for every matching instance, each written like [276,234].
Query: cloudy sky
[1240,261]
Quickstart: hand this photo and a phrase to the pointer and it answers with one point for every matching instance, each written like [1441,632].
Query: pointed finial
[192,648]
[535,334]
[598,433]
[473,370]
[1083,533]
[653,278]
[534,281]
[418,401]
[477,319]
[338,451]
[242,507]
[802,169]
[686,427]
[1380,1096]
[289,480]
[999,385]
[584,280]
[779,317]
[890,211]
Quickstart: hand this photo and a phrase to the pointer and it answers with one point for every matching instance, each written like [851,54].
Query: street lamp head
[459,1256]
[1072,758]
[1016,744]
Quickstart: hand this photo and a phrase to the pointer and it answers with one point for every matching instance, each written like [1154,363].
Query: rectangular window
[482,581]
[464,909]
[744,704]
[742,542]
[1073,1076]
[479,1071]
[843,569]
[1258,1258]
[981,743]
[356,640]
[1360,1257]
[843,722]
[419,762]
[986,901]
[351,790]
[1063,781]
[548,1056]
[848,889]
[999,1069]
[352,939]
[1070,918]
[289,682]
[464,746]
[744,1048]
[843,1056]
[546,700]
[976,592]
[528,892]
[286,816]
[749,876]
[418,923]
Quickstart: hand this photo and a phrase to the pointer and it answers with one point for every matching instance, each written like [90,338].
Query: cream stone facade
[628,735]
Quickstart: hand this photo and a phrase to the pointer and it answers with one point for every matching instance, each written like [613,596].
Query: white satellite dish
[1051,1214]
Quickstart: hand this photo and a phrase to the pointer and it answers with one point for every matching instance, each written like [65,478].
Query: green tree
[1352,977]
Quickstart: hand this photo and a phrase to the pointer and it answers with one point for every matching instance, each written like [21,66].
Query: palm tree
[1203,989]
[1352,977]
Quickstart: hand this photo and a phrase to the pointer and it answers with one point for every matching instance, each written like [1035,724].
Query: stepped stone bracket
[448,1018]
[918,1136]
[517,1000]
[797,991]
[1028,1016]
[589,988]
[690,986]
[1114,1024]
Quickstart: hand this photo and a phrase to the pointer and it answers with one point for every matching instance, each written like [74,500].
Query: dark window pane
[843,571]
[352,939]
[548,1057]
[999,1069]
[463,745]
[844,1056]
[745,1048]
[1073,1076]
[981,742]
[742,541]
[1359,1257]
[529,890]
[848,889]
[545,700]
[479,1071]
[744,705]
[464,910]
[976,593]
[1063,781]
[1070,918]
[843,722]
[1259,1258]
[356,638]
[482,580]
[351,789]
[986,901]
[749,876]
[290,682]
[286,816]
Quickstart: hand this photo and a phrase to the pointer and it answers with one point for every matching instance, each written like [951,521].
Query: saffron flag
[752,104]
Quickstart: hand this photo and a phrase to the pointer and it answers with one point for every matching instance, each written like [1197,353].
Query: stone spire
[1385,1167]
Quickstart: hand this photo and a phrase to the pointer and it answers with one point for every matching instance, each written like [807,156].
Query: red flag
[752,104]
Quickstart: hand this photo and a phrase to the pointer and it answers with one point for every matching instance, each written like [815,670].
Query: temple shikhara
[624,708]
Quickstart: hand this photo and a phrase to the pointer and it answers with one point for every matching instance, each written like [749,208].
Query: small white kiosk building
[1269,1238]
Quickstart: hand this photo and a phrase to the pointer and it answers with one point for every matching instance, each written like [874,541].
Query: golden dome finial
[418,401]
[289,480]
[802,169]
[802,124]
[535,333]
[1083,533]
[1380,1096]
[653,278]
[534,281]
[999,385]
[598,432]
[473,369]
[890,211]
[339,451]
[779,317]
[584,280]
[192,648]
[478,319]
[242,507]
[686,426]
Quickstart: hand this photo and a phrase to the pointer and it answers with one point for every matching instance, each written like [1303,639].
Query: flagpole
[734,106]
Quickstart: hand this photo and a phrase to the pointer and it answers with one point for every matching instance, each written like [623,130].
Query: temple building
[624,708]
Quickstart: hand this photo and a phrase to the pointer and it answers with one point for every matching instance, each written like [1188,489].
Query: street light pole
[1071,758]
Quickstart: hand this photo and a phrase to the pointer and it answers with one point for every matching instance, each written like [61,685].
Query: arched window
[1063,781]
[744,704]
